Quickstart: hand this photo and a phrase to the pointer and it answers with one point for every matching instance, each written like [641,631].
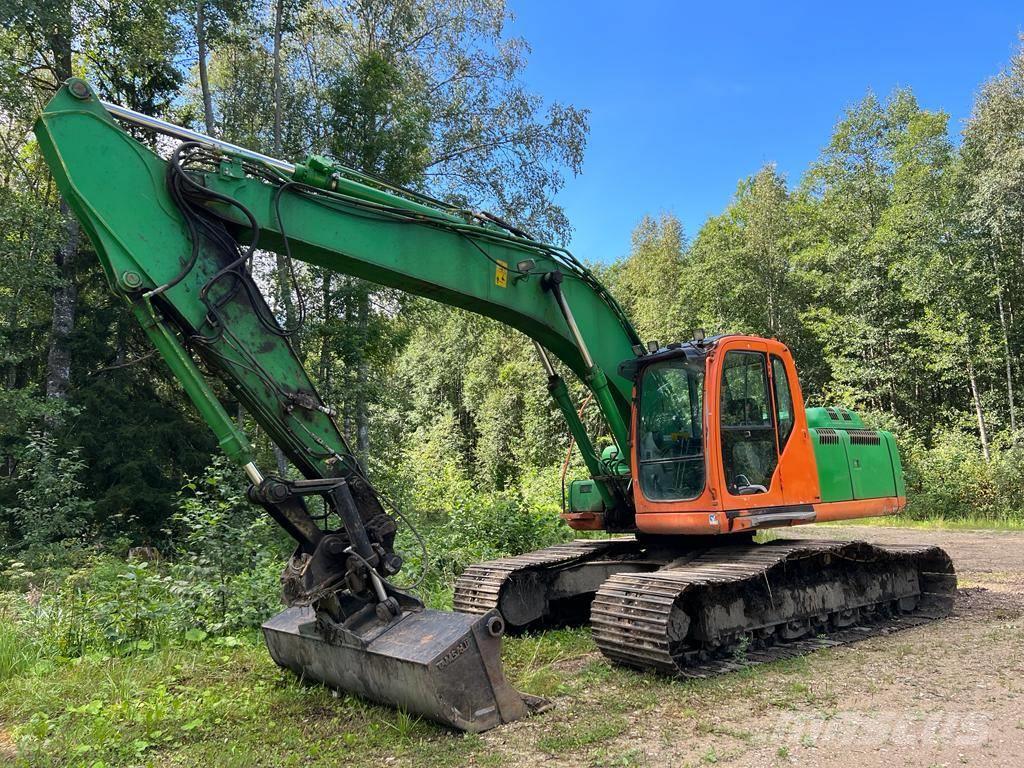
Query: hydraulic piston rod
[187,134]
[596,378]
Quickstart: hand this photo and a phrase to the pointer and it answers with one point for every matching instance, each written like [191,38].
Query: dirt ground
[945,694]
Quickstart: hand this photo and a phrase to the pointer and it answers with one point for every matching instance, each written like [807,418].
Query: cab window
[749,452]
[783,401]
[671,431]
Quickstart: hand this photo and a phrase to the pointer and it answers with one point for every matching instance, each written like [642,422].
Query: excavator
[710,441]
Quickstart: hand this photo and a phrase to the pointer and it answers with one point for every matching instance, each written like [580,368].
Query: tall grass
[19,650]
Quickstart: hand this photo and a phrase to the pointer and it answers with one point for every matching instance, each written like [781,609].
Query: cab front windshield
[671,431]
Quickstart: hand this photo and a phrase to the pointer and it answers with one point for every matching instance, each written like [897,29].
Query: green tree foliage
[992,181]
[860,313]
[486,378]
[226,575]
[429,92]
[50,505]
[743,276]
[29,235]
[648,282]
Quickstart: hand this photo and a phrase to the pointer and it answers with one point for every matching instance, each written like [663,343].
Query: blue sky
[686,98]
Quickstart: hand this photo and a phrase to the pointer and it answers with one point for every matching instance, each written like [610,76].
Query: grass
[213,704]
[231,706]
[209,706]
[569,737]
[16,653]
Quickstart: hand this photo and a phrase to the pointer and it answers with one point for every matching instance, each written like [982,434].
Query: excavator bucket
[441,665]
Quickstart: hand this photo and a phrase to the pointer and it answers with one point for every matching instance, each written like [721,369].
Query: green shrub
[225,575]
[474,527]
[222,578]
[50,495]
[108,606]
[952,480]
[461,522]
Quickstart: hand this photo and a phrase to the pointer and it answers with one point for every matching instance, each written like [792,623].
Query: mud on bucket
[440,665]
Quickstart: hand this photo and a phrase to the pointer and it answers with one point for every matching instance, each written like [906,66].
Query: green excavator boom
[176,237]
[332,217]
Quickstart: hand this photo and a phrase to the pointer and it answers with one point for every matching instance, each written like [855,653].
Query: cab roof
[693,351]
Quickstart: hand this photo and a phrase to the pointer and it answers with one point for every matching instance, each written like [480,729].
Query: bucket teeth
[439,665]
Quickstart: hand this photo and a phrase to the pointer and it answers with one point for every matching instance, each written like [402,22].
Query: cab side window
[783,401]
[749,451]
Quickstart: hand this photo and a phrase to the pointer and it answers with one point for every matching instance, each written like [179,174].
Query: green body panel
[117,188]
[584,496]
[897,465]
[833,418]
[833,465]
[853,462]
[870,465]
[588,496]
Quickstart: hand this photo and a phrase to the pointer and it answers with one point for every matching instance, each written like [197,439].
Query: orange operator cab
[722,443]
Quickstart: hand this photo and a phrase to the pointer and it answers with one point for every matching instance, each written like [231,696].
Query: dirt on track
[948,693]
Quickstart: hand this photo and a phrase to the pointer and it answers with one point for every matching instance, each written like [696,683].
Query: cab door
[748,429]
[798,470]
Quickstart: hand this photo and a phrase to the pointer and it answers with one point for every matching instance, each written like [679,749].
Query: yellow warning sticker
[501,274]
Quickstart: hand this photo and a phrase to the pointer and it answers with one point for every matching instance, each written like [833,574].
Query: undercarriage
[693,610]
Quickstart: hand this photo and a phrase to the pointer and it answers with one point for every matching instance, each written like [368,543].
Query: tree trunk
[281,460]
[276,77]
[65,292]
[58,360]
[204,76]
[362,379]
[1004,326]
[325,347]
[982,431]
[1009,366]
[284,288]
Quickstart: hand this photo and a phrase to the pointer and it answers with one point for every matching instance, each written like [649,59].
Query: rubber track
[478,589]
[630,616]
